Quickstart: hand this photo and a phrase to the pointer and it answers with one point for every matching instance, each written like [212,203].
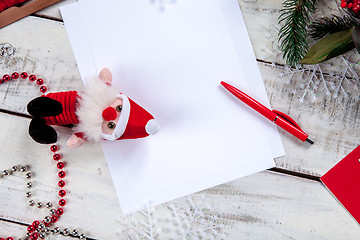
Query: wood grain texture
[263,206]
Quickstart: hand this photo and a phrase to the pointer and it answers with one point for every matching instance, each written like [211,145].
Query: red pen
[279,118]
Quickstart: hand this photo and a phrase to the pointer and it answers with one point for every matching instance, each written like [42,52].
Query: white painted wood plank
[274,206]
[255,207]
[53,10]
[42,48]
[332,122]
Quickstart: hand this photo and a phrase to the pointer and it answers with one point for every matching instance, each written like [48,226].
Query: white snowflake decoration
[315,84]
[184,219]
[311,83]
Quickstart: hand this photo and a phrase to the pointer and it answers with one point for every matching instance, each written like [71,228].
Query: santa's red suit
[69,102]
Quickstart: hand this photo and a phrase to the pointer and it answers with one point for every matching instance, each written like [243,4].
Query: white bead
[75,232]
[52,212]
[31,202]
[66,232]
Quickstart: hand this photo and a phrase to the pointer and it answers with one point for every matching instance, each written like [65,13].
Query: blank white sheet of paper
[171,63]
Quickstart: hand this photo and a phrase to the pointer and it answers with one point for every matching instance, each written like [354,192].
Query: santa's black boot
[41,132]
[44,107]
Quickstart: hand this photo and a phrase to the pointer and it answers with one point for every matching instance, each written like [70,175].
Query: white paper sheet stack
[171,62]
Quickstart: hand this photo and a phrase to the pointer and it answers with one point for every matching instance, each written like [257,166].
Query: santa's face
[108,127]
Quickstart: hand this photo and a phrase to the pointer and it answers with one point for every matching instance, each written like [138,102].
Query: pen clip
[288,119]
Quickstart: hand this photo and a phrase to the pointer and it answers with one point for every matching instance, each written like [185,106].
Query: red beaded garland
[62,193]
[23,75]
[57,157]
[61,174]
[15,75]
[39,81]
[60,211]
[61,183]
[54,148]
[62,202]
[6,77]
[43,89]
[32,229]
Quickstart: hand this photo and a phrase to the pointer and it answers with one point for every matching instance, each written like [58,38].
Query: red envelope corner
[343,180]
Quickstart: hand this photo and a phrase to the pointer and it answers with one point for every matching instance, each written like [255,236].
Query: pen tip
[310,141]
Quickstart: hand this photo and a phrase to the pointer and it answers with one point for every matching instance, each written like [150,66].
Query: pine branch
[295,15]
[325,26]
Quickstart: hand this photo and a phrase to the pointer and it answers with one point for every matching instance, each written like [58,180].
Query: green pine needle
[325,26]
[295,16]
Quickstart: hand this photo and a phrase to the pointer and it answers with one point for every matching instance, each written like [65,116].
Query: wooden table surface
[287,202]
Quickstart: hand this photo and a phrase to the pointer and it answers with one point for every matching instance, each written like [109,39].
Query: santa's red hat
[134,122]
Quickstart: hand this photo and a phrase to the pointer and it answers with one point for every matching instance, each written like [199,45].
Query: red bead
[43,89]
[32,78]
[9,238]
[60,211]
[61,174]
[39,81]
[30,228]
[46,223]
[2,238]
[56,157]
[350,5]
[36,224]
[34,236]
[343,4]
[23,75]
[61,183]
[6,77]
[62,202]
[53,148]
[60,165]
[356,8]
[62,193]
[54,219]
[15,75]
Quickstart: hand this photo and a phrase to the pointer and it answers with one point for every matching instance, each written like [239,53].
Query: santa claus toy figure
[98,113]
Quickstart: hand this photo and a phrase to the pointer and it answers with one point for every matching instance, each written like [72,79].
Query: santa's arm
[76,140]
